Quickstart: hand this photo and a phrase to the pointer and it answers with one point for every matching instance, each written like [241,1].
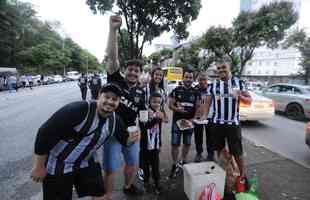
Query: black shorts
[230,133]
[86,181]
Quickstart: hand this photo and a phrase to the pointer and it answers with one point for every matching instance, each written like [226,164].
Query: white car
[57,78]
[261,108]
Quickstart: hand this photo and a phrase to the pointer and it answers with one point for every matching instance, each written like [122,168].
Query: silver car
[292,99]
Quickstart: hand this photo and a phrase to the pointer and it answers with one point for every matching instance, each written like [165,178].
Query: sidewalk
[278,177]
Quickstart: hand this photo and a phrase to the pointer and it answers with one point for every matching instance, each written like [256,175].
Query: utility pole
[87,65]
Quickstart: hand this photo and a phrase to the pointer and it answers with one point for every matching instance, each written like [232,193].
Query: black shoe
[174,171]
[133,190]
[198,158]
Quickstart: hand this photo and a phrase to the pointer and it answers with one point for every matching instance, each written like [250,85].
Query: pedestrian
[66,144]
[133,101]
[12,83]
[151,141]
[82,83]
[203,126]
[94,86]
[225,94]
[183,101]
[23,79]
[30,81]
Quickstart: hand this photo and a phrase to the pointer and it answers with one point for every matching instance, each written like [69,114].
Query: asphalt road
[280,135]
[22,113]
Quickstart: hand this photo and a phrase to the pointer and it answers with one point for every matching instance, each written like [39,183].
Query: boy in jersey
[65,146]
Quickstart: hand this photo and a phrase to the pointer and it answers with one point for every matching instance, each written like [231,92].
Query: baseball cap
[110,87]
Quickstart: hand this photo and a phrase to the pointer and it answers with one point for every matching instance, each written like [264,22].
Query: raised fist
[115,22]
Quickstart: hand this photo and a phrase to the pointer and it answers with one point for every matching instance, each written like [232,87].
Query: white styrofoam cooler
[199,175]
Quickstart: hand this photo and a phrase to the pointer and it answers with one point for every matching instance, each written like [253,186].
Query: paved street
[22,113]
[280,135]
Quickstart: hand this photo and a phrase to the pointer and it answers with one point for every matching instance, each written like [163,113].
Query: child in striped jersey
[151,142]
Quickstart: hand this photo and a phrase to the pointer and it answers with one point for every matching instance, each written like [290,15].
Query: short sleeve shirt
[187,98]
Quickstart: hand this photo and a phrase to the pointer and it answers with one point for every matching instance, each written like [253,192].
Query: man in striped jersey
[199,129]
[225,96]
[65,146]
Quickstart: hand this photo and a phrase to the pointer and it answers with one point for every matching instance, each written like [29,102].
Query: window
[286,89]
[275,63]
[274,89]
[296,90]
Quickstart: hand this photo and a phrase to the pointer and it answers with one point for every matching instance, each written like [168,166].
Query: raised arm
[112,47]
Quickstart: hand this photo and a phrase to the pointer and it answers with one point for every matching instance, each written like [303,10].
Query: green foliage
[301,41]
[250,30]
[146,20]
[156,57]
[34,46]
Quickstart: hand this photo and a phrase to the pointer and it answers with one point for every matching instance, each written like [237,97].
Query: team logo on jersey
[180,96]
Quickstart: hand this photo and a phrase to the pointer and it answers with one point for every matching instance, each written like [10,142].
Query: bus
[173,77]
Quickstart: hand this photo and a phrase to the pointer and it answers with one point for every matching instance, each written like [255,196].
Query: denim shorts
[112,160]
[176,135]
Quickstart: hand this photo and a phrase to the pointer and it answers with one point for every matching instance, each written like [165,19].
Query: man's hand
[134,137]
[160,115]
[115,22]
[38,173]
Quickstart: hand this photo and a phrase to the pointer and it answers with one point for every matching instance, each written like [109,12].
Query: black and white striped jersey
[71,146]
[224,105]
[148,91]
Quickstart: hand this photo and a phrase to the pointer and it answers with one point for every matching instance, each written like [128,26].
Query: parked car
[58,78]
[261,108]
[48,80]
[73,75]
[292,99]
[307,135]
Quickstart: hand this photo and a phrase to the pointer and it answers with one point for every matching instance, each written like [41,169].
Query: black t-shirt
[132,101]
[83,81]
[187,98]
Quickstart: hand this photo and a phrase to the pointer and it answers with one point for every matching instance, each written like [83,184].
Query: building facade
[273,65]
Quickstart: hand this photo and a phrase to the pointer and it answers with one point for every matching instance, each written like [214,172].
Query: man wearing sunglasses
[225,94]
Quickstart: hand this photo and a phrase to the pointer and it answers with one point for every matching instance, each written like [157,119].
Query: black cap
[110,87]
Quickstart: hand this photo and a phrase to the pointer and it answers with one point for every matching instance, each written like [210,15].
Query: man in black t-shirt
[66,144]
[183,101]
[132,101]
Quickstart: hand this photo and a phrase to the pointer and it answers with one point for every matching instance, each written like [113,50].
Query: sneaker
[198,158]
[133,190]
[140,174]
[174,171]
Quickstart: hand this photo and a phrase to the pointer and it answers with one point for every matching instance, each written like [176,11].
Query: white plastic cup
[143,115]
[132,129]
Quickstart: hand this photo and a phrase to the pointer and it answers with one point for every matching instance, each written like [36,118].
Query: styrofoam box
[199,175]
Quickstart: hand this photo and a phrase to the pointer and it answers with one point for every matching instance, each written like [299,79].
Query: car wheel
[295,111]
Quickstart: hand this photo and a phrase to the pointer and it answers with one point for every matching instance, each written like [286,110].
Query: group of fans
[126,119]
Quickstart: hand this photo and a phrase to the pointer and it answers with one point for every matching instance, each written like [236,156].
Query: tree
[250,30]
[301,41]
[146,20]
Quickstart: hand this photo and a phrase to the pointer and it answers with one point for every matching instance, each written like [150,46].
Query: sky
[91,31]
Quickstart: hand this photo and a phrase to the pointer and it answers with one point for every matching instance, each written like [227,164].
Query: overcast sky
[90,31]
